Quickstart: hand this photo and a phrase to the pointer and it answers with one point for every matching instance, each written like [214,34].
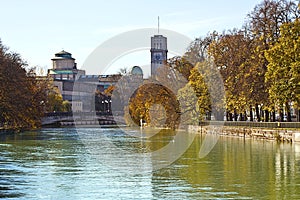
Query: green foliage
[240,56]
[264,25]
[55,102]
[197,82]
[283,73]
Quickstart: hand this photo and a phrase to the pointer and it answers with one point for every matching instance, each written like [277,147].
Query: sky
[39,29]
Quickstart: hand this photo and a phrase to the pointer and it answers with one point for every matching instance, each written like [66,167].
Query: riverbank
[5,131]
[10,130]
[279,134]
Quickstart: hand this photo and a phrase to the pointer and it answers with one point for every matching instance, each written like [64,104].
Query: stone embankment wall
[247,132]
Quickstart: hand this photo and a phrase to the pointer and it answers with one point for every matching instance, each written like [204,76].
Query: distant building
[100,82]
[158,51]
[64,67]
[64,72]
[90,90]
[77,106]
[136,70]
[79,89]
[76,87]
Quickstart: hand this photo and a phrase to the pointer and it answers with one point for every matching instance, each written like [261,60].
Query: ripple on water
[57,164]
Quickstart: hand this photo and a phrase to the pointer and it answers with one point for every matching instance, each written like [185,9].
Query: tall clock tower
[158,51]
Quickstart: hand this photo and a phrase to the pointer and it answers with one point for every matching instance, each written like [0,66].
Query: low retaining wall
[259,133]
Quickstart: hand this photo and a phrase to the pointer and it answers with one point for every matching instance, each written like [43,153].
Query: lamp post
[109,105]
[106,107]
[103,106]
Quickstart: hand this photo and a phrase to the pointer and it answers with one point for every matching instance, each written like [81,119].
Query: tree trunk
[298,115]
[230,117]
[266,116]
[235,115]
[273,115]
[262,116]
[281,115]
[288,110]
[251,114]
[241,117]
[257,112]
[209,116]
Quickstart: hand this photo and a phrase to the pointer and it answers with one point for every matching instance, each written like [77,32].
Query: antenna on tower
[158,25]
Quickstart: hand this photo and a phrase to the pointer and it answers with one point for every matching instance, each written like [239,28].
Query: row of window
[158,45]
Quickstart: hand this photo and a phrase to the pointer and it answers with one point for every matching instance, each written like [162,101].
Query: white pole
[158,25]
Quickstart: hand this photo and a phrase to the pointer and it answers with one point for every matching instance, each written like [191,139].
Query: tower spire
[158,25]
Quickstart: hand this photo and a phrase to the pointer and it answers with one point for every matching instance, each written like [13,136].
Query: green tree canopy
[283,74]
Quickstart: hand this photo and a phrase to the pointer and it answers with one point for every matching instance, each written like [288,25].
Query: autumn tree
[124,71]
[230,52]
[263,27]
[198,49]
[191,112]
[182,65]
[155,104]
[237,58]
[54,101]
[155,100]
[22,94]
[284,68]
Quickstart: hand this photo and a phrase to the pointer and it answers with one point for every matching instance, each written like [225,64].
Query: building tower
[64,73]
[64,67]
[158,51]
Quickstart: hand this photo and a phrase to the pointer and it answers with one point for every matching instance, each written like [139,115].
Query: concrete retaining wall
[259,133]
[296,137]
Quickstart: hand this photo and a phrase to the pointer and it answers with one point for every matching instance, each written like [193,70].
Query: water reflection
[59,164]
[31,158]
[132,152]
[239,168]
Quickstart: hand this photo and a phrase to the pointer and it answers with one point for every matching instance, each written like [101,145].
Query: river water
[91,163]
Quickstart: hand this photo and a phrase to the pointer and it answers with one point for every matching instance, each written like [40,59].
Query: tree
[155,104]
[190,110]
[263,24]
[198,49]
[197,82]
[55,102]
[181,65]
[203,95]
[22,94]
[231,52]
[284,68]
[124,71]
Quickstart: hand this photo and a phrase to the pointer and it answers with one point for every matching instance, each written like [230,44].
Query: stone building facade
[158,51]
